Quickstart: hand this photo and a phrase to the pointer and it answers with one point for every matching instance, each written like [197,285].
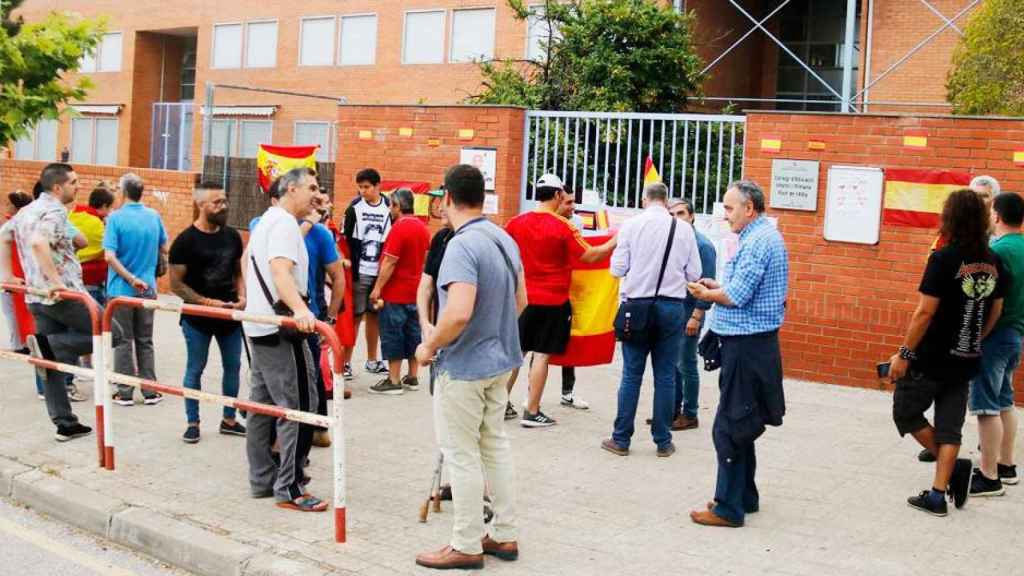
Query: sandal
[305,503]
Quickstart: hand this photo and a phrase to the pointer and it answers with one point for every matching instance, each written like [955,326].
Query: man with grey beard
[205,269]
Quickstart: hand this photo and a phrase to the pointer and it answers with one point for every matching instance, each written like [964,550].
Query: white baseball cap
[550,181]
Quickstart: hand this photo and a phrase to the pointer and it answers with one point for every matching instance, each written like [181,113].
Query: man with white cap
[548,244]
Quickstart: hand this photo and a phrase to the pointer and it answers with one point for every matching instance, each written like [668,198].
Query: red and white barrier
[103,375]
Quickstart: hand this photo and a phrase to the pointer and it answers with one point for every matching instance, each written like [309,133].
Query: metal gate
[696,155]
[171,146]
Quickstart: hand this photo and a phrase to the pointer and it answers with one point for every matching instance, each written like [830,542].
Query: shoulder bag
[633,320]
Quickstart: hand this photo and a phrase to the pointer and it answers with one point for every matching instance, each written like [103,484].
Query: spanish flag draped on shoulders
[551,247]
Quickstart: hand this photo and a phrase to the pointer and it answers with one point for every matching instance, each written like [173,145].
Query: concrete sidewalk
[834,482]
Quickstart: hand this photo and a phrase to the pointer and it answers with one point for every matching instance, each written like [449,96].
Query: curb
[181,544]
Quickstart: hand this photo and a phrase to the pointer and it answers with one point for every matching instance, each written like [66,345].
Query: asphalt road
[34,545]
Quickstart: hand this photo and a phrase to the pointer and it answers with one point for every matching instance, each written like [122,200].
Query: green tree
[988,66]
[34,59]
[600,55]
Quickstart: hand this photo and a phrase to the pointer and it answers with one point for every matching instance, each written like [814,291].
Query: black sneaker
[191,435]
[346,372]
[1008,474]
[960,482]
[76,430]
[538,420]
[235,429]
[510,412]
[411,384]
[925,503]
[153,400]
[387,387]
[983,486]
[925,456]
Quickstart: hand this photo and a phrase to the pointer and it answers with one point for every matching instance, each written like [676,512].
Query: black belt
[653,298]
[767,334]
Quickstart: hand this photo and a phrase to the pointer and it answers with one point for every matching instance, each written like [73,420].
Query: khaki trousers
[470,417]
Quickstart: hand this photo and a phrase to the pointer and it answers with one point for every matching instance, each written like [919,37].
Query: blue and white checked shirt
[756,281]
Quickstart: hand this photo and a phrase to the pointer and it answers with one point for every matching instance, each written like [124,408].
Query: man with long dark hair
[961,300]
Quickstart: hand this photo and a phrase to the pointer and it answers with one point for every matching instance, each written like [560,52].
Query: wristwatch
[907,354]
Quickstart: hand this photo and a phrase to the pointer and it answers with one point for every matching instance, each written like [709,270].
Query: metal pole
[867,53]
[210,87]
[851,19]
[523,172]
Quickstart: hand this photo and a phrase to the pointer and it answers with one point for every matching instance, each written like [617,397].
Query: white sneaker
[571,401]
[376,367]
[74,395]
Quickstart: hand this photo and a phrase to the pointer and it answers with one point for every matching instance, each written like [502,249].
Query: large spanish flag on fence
[915,197]
[273,161]
[594,294]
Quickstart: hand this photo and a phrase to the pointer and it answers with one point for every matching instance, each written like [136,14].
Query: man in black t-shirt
[205,269]
[961,298]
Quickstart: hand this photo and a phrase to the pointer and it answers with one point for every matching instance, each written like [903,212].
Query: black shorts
[915,392]
[545,329]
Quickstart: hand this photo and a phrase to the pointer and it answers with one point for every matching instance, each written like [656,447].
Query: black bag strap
[664,260]
[504,254]
[266,291]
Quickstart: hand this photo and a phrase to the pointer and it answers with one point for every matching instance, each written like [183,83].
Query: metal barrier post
[335,423]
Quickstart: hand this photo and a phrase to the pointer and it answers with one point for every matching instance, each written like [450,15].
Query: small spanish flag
[915,141]
[650,172]
[273,161]
[1018,157]
[771,144]
[915,197]
[594,294]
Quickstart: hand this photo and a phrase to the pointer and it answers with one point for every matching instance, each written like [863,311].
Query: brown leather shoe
[666,451]
[709,518]
[447,558]
[614,447]
[683,422]
[503,550]
[322,439]
[348,393]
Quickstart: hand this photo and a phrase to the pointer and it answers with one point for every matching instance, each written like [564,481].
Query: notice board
[853,204]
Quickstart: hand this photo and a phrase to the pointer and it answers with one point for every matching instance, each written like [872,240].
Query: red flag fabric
[345,323]
[594,294]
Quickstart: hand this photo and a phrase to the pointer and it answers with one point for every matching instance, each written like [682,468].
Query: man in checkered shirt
[749,309]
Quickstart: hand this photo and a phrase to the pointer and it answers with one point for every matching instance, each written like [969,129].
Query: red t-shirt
[408,241]
[548,245]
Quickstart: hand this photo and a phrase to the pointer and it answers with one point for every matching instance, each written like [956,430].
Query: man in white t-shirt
[367,224]
[282,370]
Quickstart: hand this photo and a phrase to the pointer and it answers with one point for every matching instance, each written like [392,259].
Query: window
[358,44]
[313,134]
[538,31]
[107,56]
[241,138]
[188,72]
[261,45]
[94,140]
[252,134]
[472,35]
[227,46]
[424,38]
[39,144]
[316,45]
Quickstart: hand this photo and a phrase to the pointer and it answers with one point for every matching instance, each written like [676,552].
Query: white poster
[485,159]
[490,203]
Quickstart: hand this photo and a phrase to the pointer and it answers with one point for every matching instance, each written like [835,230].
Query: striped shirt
[756,281]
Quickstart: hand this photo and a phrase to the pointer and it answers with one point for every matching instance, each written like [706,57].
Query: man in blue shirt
[749,308]
[133,242]
[687,374]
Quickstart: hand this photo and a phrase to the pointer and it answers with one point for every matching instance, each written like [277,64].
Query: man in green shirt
[991,398]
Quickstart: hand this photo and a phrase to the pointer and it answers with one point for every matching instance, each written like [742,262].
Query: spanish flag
[915,197]
[594,294]
[650,172]
[273,161]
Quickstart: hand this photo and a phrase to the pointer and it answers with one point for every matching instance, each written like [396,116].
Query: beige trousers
[470,416]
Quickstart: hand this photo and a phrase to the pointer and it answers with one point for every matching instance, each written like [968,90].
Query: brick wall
[850,304]
[169,193]
[433,146]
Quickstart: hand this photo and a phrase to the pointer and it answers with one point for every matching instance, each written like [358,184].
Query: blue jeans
[399,331]
[735,491]
[992,388]
[687,374]
[666,333]
[197,345]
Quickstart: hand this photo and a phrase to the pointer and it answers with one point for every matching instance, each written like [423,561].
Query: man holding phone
[205,269]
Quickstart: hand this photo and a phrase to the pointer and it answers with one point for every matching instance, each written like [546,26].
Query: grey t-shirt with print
[489,345]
